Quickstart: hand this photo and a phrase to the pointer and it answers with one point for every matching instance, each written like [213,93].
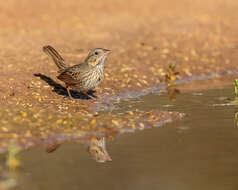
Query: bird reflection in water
[96,147]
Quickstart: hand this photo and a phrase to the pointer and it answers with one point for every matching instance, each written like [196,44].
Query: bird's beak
[107,51]
[105,158]
[109,159]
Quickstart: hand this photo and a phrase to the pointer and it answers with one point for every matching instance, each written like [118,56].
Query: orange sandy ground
[144,36]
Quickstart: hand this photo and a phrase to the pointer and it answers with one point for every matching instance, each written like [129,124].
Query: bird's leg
[92,97]
[91,94]
[68,90]
[86,93]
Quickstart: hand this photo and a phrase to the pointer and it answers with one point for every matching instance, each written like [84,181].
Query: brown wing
[68,78]
[73,75]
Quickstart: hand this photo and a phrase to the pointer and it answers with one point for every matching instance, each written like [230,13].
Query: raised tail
[52,147]
[55,56]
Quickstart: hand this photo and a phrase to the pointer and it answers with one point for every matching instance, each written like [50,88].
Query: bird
[96,147]
[84,76]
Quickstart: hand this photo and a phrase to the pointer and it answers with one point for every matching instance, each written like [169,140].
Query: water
[198,152]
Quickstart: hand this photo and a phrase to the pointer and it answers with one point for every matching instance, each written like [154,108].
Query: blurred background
[198,34]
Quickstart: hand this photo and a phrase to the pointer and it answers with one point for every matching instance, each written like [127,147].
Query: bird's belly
[90,82]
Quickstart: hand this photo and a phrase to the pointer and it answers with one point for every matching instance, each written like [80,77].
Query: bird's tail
[52,147]
[55,56]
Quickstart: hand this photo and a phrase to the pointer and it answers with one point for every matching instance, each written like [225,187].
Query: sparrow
[84,76]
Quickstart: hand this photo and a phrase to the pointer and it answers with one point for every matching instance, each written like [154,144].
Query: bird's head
[97,56]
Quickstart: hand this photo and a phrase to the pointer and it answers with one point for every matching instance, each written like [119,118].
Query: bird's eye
[96,53]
